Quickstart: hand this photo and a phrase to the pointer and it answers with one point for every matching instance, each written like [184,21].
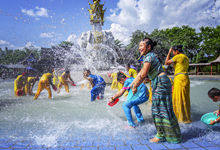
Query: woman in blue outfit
[133,100]
[98,85]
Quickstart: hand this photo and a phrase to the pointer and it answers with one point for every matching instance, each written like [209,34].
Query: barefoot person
[181,87]
[162,110]
[132,100]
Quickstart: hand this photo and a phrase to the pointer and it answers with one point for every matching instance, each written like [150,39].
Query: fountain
[97,46]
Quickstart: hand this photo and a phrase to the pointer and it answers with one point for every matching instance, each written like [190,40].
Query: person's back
[98,85]
[44,83]
[18,81]
[96,79]
[181,63]
[45,78]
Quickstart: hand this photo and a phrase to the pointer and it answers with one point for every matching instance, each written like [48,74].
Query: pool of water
[73,117]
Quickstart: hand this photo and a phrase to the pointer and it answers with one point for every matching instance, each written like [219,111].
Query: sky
[43,23]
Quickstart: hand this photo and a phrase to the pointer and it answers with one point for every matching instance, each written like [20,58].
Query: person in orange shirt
[44,83]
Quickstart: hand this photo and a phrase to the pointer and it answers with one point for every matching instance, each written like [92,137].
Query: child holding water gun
[132,100]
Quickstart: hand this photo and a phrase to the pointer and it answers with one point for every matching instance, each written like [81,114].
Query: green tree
[210,43]
[187,37]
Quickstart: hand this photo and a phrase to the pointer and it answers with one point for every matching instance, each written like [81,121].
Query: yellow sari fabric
[181,89]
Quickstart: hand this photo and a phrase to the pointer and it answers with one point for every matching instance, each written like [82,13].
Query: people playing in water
[44,83]
[98,85]
[19,84]
[30,84]
[133,101]
[64,79]
[181,87]
[162,110]
[131,71]
[214,94]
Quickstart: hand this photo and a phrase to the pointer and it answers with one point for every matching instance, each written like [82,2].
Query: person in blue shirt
[133,100]
[98,85]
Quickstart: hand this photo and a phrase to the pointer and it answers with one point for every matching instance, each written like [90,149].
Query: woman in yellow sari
[181,87]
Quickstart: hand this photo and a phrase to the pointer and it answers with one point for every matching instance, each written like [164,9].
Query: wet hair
[178,48]
[120,76]
[87,70]
[150,42]
[213,92]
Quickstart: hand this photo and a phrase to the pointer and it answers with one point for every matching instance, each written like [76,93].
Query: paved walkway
[96,142]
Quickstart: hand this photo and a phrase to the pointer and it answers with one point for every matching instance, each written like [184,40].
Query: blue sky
[43,28]
[48,22]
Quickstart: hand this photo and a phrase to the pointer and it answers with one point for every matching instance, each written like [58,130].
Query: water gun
[114,102]
[73,84]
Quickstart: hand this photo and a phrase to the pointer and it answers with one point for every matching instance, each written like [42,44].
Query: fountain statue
[98,44]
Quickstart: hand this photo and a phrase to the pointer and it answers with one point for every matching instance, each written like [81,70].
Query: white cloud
[63,21]
[6,44]
[2,42]
[30,45]
[72,38]
[37,12]
[148,15]
[121,33]
[47,35]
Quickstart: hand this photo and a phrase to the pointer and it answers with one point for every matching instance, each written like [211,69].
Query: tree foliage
[197,46]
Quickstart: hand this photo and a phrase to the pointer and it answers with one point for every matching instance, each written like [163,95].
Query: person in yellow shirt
[30,84]
[132,72]
[64,79]
[55,77]
[114,84]
[19,84]
[44,83]
[181,86]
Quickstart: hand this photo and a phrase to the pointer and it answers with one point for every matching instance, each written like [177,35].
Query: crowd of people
[170,98]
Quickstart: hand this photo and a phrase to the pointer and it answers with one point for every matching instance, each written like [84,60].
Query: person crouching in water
[214,94]
[98,85]
[19,84]
[30,84]
[44,83]
[64,79]
[140,97]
